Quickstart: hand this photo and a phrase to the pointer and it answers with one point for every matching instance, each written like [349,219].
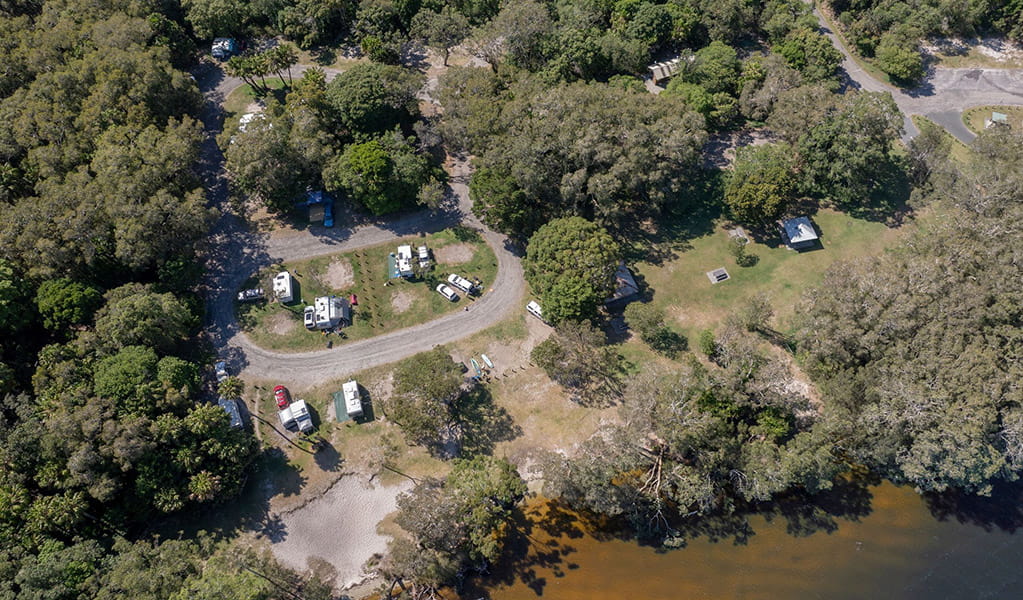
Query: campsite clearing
[383,304]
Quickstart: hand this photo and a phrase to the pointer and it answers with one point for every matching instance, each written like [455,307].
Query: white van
[461,283]
[534,309]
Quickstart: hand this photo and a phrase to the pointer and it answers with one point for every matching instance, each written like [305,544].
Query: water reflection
[860,540]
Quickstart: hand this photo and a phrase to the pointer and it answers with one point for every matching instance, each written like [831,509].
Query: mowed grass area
[974,117]
[692,303]
[382,308]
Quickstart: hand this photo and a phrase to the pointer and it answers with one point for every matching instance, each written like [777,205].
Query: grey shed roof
[799,230]
[230,406]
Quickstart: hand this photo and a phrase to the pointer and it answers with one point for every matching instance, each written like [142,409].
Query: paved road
[235,252]
[944,95]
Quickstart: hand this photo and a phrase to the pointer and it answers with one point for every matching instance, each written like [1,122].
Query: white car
[447,292]
[461,283]
[309,317]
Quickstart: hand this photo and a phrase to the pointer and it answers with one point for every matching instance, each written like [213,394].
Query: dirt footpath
[339,527]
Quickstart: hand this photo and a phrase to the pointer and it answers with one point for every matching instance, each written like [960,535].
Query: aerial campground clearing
[357,467]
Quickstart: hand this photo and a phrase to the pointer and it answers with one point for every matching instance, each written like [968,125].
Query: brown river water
[877,542]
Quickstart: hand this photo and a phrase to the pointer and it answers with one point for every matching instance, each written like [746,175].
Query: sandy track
[339,527]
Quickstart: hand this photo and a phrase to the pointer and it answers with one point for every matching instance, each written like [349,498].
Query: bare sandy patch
[281,324]
[339,527]
[339,274]
[455,254]
[401,301]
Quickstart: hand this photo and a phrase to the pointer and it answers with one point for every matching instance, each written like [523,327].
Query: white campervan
[353,401]
[534,309]
[283,286]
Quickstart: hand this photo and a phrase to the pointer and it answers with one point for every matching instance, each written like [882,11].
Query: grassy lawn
[974,117]
[682,289]
[382,308]
[960,151]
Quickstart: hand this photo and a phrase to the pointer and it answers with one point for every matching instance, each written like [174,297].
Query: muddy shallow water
[878,541]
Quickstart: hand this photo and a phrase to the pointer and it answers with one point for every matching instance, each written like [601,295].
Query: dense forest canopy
[105,421]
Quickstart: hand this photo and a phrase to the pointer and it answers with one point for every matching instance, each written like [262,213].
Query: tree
[128,377]
[383,174]
[651,24]
[796,110]
[760,93]
[715,68]
[454,524]
[762,184]
[848,156]
[280,59]
[812,54]
[425,387]
[312,22]
[649,323]
[232,387]
[369,99]
[719,109]
[440,31]
[135,315]
[518,34]
[905,344]
[210,18]
[571,263]
[589,150]
[578,358]
[64,302]
[265,162]
[900,60]
[14,313]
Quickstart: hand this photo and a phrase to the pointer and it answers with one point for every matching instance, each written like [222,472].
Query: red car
[282,396]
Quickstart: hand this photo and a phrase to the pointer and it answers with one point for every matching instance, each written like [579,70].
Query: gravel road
[235,252]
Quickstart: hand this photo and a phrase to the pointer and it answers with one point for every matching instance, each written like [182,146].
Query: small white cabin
[283,286]
[353,401]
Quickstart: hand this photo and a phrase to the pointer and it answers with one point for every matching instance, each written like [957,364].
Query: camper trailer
[300,412]
[353,401]
[283,287]
[404,261]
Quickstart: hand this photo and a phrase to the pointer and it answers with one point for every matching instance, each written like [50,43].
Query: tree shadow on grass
[691,214]
[482,423]
[889,200]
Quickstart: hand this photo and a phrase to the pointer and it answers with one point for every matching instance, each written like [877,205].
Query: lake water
[878,542]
